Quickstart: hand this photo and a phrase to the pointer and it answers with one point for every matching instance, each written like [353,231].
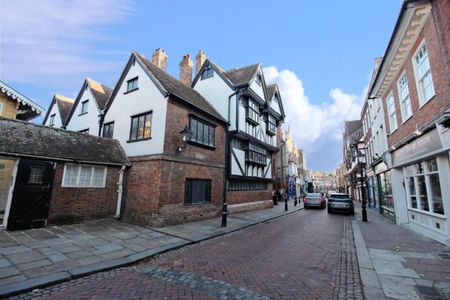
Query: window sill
[85,113]
[139,140]
[425,103]
[127,92]
[82,187]
[409,117]
[427,213]
[201,145]
[195,204]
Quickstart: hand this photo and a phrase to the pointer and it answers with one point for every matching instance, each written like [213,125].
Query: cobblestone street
[305,255]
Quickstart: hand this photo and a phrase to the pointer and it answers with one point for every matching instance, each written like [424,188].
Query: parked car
[340,202]
[314,200]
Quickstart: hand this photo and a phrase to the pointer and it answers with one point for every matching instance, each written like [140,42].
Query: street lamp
[185,137]
[362,164]
[283,143]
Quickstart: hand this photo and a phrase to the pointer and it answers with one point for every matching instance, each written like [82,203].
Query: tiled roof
[100,91]
[64,106]
[178,89]
[30,140]
[241,76]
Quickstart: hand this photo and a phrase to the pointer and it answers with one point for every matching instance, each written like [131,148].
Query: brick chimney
[159,59]
[200,59]
[186,66]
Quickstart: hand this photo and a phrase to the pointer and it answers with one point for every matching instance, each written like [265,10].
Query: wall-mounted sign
[424,144]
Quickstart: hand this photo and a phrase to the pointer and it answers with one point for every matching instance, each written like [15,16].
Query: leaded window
[271,125]
[108,130]
[203,132]
[252,112]
[141,127]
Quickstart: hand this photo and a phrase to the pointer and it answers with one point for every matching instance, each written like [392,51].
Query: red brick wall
[83,203]
[239,197]
[439,103]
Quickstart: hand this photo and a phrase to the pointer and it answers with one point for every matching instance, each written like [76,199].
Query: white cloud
[50,40]
[317,128]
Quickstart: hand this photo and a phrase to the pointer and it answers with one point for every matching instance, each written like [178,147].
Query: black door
[31,197]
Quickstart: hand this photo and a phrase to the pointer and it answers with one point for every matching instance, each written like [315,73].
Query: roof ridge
[64,98]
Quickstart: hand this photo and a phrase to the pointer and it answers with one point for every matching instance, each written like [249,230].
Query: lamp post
[361,164]
[283,143]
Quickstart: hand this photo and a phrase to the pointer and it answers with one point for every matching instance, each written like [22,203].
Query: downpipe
[119,193]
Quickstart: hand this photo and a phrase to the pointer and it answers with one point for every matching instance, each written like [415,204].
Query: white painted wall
[216,91]
[54,110]
[257,89]
[90,120]
[275,106]
[146,98]
[377,124]
[240,154]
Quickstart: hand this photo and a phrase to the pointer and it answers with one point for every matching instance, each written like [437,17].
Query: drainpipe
[119,193]
[227,163]
[101,118]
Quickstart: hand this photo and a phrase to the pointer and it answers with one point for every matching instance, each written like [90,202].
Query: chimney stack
[186,66]
[199,61]
[159,59]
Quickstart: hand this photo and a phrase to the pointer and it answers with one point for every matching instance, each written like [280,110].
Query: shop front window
[412,191]
[423,193]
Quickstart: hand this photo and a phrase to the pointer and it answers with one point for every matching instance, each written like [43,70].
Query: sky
[320,53]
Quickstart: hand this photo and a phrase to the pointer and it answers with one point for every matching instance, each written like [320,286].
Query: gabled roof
[242,76]
[25,139]
[100,92]
[174,87]
[271,88]
[32,109]
[64,105]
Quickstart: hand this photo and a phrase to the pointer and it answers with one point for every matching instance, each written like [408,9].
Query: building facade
[413,83]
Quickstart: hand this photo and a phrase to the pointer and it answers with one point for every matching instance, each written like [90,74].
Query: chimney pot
[186,66]
[200,59]
[160,58]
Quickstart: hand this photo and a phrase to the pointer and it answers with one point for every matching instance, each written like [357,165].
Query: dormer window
[84,107]
[132,84]
[271,125]
[252,112]
[52,120]
[259,80]
[207,73]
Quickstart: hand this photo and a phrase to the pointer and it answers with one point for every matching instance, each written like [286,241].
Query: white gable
[89,120]
[275,105]
[57,120]
[125,105]
[258,89]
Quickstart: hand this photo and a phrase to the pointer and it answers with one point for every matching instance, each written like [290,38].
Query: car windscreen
[313,196]
[339,200]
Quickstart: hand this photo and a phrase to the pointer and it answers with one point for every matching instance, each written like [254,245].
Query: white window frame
[392,116]
[77,185]
[420,90]
[52,120]
[403,100]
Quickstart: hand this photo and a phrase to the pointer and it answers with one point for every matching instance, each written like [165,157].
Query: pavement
[397,263]
[36,258]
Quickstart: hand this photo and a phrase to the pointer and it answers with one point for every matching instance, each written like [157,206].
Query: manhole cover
[430,293]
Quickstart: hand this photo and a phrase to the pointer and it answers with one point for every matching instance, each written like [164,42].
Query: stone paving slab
[38,257]
[405,264]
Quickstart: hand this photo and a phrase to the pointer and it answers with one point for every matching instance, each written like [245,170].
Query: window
[271,125]
[242,185]
[108,130]
[256,154]
[424,187]
[84,176]
[405,101]
[197,191]
[132,84]
[85,131]
[202,132]
[391,113]
[84,107]
[141,127]
[52,120]
[207,73]
[36,175]
[258,79]
[422,72]
[252,112]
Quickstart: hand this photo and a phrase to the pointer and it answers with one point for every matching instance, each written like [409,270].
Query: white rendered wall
[216,91]
[90,120]
[275,106]
[377,121]
[54,110]
[257,89]
[146,98]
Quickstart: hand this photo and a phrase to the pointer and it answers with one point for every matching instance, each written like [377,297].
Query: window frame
[133,88]
[77,185]
[84,107]
[188,196]
[392,115]
[108,125]
[252,109]
[84,131]
[420,89]
[403,100]
[258,79]
[208,72]
[211,126]
[273,124]
[137,139]
[51,122]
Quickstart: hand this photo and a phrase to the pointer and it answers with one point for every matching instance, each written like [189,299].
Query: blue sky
[320,52]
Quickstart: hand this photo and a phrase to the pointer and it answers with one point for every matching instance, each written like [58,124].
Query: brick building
[413,83]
